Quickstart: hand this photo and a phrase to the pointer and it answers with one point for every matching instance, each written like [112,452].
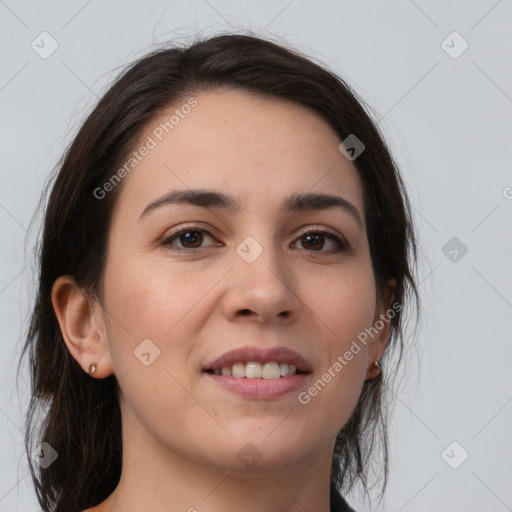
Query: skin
[181,431]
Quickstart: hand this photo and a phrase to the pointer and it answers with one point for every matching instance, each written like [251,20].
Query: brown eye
[316,241]
[194,238]
[313,241]
[188,238]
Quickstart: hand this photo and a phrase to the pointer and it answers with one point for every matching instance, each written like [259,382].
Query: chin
[268,449]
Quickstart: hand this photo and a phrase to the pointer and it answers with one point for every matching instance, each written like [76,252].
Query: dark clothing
[338,504]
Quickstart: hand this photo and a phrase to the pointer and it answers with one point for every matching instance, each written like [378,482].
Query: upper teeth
[254,370]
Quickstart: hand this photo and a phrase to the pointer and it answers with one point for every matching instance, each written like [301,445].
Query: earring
[376,365]
[92,368]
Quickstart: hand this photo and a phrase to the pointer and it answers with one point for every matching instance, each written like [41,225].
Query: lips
[258,355]
[255,373]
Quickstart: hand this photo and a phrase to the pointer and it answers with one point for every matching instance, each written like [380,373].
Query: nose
[263,290]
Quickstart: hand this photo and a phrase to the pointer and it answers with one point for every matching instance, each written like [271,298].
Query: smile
[255,370]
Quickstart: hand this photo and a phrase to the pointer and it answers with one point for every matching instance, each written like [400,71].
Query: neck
[161,480]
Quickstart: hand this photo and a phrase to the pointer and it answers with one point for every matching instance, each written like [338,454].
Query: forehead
[259,150]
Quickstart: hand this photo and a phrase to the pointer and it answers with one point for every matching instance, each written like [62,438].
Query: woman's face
[247,277]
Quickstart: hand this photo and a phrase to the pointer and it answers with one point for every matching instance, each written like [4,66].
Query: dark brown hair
[81,415]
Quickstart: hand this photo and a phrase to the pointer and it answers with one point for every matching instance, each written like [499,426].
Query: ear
[82,325]
[381,328]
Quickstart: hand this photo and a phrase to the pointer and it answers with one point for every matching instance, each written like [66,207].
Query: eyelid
[199,226]
[342,245]
[322,229]
[173,234]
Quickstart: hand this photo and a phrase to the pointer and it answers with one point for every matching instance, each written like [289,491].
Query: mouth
[257,363]
[254,370]
[260,373]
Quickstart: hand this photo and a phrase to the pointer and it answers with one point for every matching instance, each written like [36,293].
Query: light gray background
[448,123]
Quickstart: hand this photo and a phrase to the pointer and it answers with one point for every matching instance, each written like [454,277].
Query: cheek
[344,308]
[157,302]
[344,303]
[151,300]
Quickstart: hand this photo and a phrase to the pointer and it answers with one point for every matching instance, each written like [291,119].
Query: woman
[227,249]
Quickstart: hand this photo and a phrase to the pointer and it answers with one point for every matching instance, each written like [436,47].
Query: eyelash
[342,244]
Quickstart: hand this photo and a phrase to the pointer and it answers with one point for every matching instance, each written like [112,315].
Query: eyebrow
[213,199]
